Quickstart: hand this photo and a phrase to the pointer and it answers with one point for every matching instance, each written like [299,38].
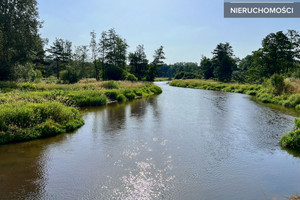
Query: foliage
[171,70]
[159,56]
[25,121]
[60,52]
[138,62]
[206,68]
[70,75]
[186,75]
[223,62]
[292,139]
[20,41]
[112,50]
[277,82]
[131,77]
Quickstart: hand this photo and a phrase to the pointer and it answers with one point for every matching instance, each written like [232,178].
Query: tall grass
[24,121]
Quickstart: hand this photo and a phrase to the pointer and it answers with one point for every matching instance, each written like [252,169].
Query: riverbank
[263,94]
[30,111]
[292,139]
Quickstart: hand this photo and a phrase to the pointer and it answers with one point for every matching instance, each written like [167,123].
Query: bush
[129,94]
[190,75]
[110,85]
[111,94]
[277,81]
[292,139]
[69,75]
[24,121]
[121,98]
[179,75]
[131,77]
[24,73]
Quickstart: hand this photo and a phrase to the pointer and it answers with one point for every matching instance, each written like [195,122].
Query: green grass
[25,121]
[29,111]
[292,139]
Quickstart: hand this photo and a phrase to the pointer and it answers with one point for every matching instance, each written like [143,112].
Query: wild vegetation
[36,110]
[292,139]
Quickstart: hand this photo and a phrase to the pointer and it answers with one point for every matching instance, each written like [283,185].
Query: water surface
[182,144]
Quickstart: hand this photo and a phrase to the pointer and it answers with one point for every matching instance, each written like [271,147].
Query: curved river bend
[182,144]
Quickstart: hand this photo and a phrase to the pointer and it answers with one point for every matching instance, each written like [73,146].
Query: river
[182,144]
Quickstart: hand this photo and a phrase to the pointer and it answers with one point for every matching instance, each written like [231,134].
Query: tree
[159,56]
[223,62]
[277,53]
[94,50]
[113,50]
[206,68]
[81,56]
[138,62]
[60,52]
[20,41]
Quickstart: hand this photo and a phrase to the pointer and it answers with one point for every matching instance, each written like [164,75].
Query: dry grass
[294,85]
[90,84]
[296,197]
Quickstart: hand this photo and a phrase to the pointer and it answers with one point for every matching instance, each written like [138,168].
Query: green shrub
[292,101]
[69,75]
[156,90]
[291,140]
[27,86]
[277,81]
[110,85]
[23,121]
[121,98]
[129,94]
[297,123]
[131,77]
[8,85]
[111,94]
[179,75]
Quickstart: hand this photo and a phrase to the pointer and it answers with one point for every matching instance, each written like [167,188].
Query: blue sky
[186,28]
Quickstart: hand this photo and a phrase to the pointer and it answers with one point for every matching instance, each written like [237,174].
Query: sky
[187,29]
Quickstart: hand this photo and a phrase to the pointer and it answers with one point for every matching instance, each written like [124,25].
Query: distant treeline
[279,54]
[24,56]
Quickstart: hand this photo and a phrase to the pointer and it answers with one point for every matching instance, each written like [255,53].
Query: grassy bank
[29,111]
[292,139]
[262,93]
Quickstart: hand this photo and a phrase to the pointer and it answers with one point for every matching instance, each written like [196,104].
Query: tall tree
[276,53]
[206,68]
[19,38]
[223,62]
[113,50]
[138,62]
[81,56]
[60,53]
[94,51]
[159,56]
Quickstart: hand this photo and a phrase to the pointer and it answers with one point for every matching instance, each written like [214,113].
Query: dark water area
[182,144]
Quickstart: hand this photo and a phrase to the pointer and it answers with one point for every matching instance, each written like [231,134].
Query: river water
[182,144]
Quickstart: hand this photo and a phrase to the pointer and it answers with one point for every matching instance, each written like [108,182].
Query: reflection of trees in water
[113,118]
[295,153]
[23,168]
[156,110]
